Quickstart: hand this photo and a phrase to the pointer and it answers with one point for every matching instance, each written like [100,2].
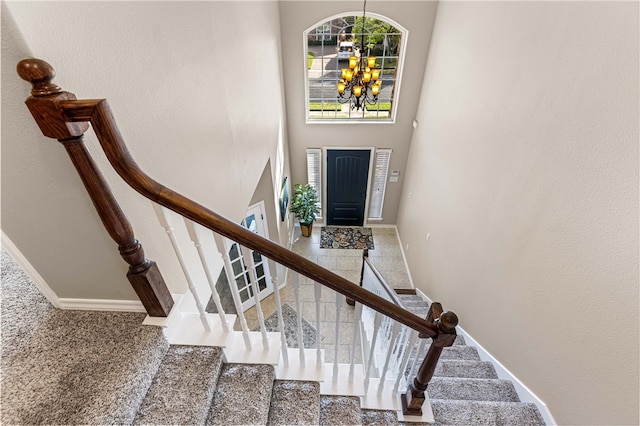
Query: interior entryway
[255,221]
[347,177]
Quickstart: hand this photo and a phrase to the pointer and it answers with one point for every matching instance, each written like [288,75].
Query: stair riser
[472,389]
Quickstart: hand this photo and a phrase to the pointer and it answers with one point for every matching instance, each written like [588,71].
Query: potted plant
[304,206]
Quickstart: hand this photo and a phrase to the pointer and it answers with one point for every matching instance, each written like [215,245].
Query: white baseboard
[372,224]
[524,393]
[101,305]
[31,272]
[404,258]
[424,296]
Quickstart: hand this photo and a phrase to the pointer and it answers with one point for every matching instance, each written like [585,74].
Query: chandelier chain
[361,82]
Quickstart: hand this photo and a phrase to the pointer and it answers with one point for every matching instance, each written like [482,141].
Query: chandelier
[360,83]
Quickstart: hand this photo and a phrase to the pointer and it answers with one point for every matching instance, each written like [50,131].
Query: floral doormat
[336,237]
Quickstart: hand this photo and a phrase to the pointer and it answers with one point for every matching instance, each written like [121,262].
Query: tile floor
[347,263]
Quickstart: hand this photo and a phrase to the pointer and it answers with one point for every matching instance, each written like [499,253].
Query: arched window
[328,46]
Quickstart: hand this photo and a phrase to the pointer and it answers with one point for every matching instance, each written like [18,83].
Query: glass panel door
[255,222]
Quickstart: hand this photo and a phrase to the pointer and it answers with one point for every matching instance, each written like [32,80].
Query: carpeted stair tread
[466,389]
[464,368]
[294,403]
[182,390]
[419,311]
[379,418]
[340,410]
[485,413]
[460,352]
[412,300]
[459,340]
[242,395]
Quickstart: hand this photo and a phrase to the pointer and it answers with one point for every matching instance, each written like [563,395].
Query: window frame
[385,181]
[319,184]
[398,78]
[325,34]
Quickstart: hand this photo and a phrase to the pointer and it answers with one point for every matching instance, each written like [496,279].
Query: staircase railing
[62,117]
[383,339]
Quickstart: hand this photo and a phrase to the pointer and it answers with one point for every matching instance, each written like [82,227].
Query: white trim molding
[406,264]
[101,305]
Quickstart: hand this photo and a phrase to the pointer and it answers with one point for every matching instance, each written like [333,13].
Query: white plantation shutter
[314,172]
[379,184]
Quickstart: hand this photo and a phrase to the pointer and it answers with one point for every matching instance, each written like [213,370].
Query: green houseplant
[304,206]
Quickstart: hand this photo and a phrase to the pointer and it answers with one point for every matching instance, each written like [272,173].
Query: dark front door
[347,174]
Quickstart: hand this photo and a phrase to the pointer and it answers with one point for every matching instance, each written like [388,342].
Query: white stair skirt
[311,371]
[341,386]
[189,331]
[236,351]
[390,401]
[174,315]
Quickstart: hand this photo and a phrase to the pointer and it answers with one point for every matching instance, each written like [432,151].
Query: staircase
[71,367]
[466,390]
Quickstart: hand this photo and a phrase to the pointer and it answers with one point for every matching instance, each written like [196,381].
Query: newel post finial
[45,99]
[40,74]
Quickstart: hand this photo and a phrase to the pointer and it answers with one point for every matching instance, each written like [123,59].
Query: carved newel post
[446,321]
[44,105]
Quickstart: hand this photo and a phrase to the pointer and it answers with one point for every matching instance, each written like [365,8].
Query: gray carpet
[243,395]
[191,374]
[294,403]
[71,367]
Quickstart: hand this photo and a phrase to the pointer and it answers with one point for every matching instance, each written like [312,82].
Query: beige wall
[524,171]
[169,71]
[295,17]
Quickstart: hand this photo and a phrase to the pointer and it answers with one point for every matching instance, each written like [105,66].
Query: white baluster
[339,302]
[413,336]
[356,333]
[165,222]
[383,338]
[247,256]
[399,350]
[283,336]
[318,297]
[372,354]
[296,291]
[394,336]
[191,230]
[228,269]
